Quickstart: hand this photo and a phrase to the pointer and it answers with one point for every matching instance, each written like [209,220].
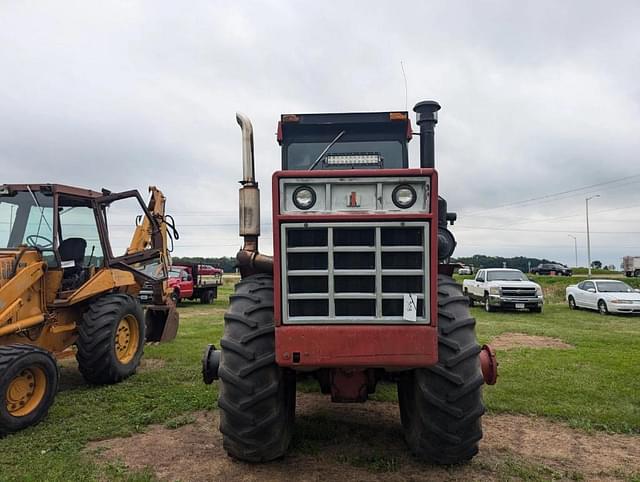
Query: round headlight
[304,197]
[403,196]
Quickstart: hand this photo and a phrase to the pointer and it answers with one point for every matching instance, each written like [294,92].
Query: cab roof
[395,124]
[50,188]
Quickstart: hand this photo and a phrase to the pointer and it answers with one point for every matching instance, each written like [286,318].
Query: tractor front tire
[28,385]
[441,406]
[257,398]
[111,339]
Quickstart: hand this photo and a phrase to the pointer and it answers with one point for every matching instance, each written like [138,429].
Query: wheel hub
[25,391]
[126,339]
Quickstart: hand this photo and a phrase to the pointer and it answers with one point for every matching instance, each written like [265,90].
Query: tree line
[518,262]
[228,264]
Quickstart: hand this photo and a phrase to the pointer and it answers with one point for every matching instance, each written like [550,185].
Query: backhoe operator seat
[73,249]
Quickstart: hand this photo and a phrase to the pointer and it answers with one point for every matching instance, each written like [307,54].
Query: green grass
[594,386]
[53,450]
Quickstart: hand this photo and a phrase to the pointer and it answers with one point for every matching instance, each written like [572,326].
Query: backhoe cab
[70,271]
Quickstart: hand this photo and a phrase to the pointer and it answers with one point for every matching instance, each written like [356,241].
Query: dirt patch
[364,442]
[508,341]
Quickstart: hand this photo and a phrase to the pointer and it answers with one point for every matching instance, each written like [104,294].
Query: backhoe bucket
[162,322]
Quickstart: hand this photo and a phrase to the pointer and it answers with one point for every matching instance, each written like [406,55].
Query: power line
[557,218]
[491,228]
[553,195]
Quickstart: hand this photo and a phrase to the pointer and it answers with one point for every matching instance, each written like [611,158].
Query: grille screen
[357,273]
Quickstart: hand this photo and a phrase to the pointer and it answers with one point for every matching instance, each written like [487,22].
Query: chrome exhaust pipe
[249,192]
[248,167]
[248,259]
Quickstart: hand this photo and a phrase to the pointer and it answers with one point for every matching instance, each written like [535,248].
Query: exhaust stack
[248,258]
[427,118]
[249,192]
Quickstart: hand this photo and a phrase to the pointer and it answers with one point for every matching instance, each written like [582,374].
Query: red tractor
[359,289]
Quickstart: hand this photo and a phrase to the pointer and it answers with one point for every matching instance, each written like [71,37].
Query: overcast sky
[537,98]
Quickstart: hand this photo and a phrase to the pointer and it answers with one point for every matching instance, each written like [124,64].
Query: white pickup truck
[504,288]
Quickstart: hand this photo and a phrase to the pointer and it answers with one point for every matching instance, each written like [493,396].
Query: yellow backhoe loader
[70,272]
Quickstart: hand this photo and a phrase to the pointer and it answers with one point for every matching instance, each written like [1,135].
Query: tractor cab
[370,140]
[358,290]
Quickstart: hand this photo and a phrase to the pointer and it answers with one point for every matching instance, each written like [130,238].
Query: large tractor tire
[28,385]
[111,339]
[257,398]
[441,406]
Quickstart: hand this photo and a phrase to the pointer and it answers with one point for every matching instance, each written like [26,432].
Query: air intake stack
[427,118]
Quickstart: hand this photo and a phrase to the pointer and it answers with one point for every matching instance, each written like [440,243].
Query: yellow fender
[12,291]
[104,280]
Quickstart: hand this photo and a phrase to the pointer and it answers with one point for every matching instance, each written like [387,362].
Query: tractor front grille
[354,272]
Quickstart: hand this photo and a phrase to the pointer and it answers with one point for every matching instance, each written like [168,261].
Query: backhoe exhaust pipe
[248,258]
[427,118]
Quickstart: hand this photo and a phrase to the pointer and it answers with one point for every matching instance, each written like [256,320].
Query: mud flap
[162,322]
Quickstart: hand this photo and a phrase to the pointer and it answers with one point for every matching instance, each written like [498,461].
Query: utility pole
[575,245]
[586,202]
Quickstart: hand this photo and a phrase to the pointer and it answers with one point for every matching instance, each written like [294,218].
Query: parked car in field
[465,270]
[604,295]
[504,288]
[552,268]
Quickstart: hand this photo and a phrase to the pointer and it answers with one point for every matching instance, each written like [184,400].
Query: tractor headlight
[403,196]
[304,197]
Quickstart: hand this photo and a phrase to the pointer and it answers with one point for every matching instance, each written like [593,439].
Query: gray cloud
[537,98]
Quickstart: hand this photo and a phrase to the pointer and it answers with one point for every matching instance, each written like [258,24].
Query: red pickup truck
[195,281]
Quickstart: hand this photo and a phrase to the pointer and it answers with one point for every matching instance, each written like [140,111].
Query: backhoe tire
[441,406]
[28,385]
[257,398]
[111,339]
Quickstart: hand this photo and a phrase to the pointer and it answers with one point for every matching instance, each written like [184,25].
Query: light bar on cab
[356,158]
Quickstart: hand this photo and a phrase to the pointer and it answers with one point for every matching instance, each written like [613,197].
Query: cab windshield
[26,217]
[506,276]
[346,154]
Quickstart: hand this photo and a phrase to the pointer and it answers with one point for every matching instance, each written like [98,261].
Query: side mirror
[591,290]
[189,278]
[636,290]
